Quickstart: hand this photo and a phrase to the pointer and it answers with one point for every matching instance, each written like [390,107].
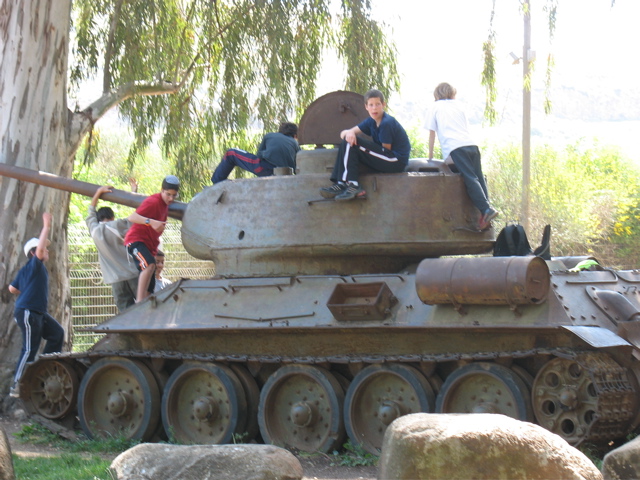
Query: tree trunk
[34,119]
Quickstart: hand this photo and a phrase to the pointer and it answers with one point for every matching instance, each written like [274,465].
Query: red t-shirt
[151,207]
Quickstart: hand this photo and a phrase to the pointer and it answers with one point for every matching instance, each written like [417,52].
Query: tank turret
[424,212]
[327,321]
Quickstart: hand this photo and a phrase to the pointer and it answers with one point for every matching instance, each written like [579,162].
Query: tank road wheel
[301,407]
[50,389]
[485,388]
[203,404]
[377,396]
[119,396]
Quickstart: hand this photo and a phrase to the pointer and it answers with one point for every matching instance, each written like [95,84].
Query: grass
[68,466]
[40,435]
[79,460]
[354,456]
[593,453]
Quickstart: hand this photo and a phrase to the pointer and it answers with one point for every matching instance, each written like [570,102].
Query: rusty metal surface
[266,324]
[204,404]
[328,115]
[378,395]
[51,389]
[122,197]
[586,397]
[302,408]
[485,387]
[119,396]
[598,337]
[292,234]
[483,281]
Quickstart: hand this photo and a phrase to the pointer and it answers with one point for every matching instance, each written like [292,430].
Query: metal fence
[92,300]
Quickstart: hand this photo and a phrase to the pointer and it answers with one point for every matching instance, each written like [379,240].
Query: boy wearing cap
[143,238]
[31,285]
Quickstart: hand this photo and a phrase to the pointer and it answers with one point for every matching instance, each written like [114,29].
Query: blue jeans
[467,161]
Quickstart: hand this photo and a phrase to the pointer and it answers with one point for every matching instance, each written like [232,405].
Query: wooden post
[526,117]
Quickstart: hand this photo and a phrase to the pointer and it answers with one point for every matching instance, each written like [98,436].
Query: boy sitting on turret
[387,153]
[276,150]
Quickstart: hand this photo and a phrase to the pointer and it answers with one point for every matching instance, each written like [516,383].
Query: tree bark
[34,133]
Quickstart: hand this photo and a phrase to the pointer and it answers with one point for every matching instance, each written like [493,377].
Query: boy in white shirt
[449,121]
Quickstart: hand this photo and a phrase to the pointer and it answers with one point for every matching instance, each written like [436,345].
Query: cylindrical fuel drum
[483,281]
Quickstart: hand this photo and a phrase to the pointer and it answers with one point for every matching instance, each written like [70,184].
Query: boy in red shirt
[143,238]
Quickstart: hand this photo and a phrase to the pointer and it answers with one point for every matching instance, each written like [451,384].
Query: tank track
[616,394]
[341,359]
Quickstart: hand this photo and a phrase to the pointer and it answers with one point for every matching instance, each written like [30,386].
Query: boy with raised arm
[31,285]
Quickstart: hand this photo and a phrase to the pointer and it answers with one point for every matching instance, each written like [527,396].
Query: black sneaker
[351,192]
[333,190]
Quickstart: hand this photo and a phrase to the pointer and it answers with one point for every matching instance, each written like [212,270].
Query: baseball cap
[32,243]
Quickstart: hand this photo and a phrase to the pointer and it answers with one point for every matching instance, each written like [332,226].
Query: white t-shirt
[449,121]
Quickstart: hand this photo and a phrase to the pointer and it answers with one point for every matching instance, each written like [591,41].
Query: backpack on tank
[512,241]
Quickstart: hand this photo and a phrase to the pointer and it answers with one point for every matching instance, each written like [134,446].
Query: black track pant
[367,153]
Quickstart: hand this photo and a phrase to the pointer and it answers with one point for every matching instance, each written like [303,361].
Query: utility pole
[526,116]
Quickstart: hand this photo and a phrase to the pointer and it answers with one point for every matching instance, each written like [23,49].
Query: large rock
[623,463]
[6,462]
[479,446]
[206,462]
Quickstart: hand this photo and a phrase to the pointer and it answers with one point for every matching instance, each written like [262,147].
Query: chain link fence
[92,300]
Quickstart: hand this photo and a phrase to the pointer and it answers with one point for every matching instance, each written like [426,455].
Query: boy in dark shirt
[31,285]
[276,150]
[388,152]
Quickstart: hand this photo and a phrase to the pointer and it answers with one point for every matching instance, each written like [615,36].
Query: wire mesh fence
[92,300]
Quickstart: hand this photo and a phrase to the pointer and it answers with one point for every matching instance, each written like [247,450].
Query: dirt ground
[315,467]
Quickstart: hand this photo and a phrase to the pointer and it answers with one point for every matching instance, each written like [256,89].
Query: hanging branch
[551,9]
[489,72]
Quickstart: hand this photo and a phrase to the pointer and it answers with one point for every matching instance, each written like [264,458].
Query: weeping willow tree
[201,72]
[489,77]
[194,73]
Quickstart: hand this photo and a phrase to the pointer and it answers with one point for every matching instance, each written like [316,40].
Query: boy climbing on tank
[449,121]
[143,238]
[276,150]
[387,153]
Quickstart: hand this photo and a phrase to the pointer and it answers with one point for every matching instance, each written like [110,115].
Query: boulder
[6,462]
[479,446]
[623,462]
[206,462]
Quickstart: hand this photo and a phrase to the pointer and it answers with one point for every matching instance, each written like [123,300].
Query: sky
[441,40]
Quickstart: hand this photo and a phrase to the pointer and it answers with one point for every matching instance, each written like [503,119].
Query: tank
[326,321]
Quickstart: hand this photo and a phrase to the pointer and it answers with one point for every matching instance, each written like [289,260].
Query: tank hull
[359,343]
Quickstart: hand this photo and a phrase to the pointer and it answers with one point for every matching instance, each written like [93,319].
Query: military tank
[329,320]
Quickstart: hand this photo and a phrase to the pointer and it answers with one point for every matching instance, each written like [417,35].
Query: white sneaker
[15,391]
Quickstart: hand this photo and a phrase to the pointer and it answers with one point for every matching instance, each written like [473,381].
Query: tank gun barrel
[121,197]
